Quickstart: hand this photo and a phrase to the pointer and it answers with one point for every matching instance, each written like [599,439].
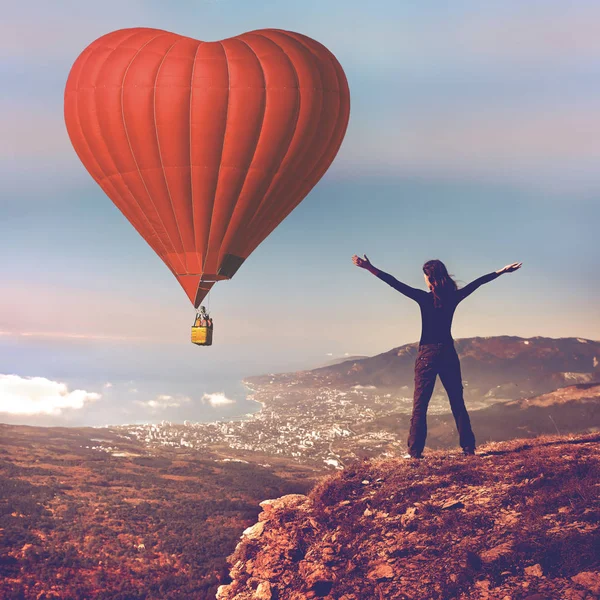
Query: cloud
[217,399]
[163,401]
[39,396]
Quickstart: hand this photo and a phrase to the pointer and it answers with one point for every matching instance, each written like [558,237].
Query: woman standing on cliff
[436,354]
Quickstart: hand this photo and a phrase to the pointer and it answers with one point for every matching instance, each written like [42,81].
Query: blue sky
[474,137]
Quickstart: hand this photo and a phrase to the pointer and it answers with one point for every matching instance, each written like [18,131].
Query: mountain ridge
[518,366]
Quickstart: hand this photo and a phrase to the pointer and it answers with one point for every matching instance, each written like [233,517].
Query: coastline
[250,396]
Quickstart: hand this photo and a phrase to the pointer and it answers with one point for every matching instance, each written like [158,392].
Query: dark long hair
[442,285]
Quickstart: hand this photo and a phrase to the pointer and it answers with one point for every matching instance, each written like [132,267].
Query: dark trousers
[433,360]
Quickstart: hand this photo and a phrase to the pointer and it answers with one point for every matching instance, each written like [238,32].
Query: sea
[49,382]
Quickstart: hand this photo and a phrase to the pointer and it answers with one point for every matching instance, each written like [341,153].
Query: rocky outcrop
[519,521]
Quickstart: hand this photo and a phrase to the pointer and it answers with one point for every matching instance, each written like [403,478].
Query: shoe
[469,451]
[409,456]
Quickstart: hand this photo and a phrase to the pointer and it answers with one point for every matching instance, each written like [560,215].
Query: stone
[263,591]
[288,501]
[589,580]
[409,515]
[381,571]
[314,573]
[492,554]
[452,504]
[237,569]
[534,571]
[255,531]
[330,558]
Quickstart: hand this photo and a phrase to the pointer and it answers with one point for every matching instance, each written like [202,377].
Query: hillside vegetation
[79,520]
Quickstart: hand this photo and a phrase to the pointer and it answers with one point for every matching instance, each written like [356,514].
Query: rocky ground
[518,521]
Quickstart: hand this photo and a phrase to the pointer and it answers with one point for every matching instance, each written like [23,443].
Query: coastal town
[313,425]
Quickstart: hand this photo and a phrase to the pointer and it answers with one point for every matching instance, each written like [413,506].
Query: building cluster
[315,425]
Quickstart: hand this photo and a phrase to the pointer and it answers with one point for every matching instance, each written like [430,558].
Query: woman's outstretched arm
[471,287]
[365,263]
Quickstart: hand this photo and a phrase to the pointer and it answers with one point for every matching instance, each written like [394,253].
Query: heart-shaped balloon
[206,147]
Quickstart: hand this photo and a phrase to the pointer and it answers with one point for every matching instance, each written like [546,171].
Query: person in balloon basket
[436,354]
[203,319]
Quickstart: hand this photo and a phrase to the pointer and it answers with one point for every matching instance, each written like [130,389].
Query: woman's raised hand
[363,263]
[510,268]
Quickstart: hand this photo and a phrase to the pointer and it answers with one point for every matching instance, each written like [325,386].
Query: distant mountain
[493,368]
[343,359]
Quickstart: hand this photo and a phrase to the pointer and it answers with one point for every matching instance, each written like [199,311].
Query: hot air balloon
[205,147]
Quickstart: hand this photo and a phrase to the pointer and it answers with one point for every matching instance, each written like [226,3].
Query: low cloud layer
[40,396]
[217,399]
[163,401]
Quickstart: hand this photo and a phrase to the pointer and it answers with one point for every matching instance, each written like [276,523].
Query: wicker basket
[202,336]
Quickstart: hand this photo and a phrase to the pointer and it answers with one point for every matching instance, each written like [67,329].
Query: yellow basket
[202,336]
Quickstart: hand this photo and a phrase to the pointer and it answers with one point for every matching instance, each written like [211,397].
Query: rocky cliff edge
[518,521]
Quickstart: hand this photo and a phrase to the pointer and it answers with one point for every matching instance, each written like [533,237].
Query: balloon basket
[202,336]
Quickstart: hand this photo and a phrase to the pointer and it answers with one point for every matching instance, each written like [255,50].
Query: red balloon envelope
[206,147]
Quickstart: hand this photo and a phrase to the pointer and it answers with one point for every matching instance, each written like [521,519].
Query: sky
[474,137]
